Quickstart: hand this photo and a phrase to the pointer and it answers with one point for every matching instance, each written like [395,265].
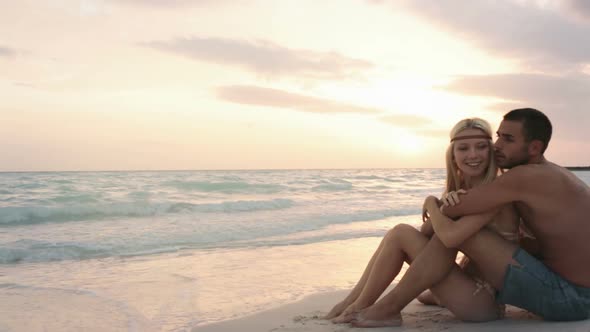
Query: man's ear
[536,148]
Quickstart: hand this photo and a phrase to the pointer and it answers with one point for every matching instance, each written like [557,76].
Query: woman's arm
[427,228]
[454,233]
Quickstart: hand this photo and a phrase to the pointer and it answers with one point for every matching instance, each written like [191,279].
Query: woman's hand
[452,198]
[427,229]
[429,203]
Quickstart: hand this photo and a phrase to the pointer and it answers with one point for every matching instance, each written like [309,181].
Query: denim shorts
[534,287]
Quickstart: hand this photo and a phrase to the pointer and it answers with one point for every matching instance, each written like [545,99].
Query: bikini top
[510,235]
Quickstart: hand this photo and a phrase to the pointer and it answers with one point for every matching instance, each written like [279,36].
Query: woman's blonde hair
[455,179]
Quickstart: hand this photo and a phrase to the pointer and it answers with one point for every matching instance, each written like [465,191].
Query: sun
[408,143]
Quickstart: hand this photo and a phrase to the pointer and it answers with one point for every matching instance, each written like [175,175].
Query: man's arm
[454,233]
[505,189]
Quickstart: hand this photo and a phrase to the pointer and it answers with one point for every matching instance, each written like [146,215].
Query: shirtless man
[552,202]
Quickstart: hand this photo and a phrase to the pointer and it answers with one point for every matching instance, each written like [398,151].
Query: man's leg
[524,281]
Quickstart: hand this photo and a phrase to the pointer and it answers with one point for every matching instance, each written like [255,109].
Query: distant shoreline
[578,168]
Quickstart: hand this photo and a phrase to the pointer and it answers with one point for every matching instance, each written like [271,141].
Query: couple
[547,274]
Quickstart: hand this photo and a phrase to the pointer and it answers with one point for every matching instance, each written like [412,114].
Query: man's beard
[522,159]
[513,163]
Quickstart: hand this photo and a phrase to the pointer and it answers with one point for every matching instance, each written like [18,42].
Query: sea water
[167,251]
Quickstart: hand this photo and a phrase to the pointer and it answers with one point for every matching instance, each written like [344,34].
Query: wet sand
[304,316]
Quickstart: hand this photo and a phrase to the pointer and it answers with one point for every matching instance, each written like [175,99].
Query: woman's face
[472,155]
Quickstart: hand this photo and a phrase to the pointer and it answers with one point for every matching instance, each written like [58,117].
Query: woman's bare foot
[337,310]
[428,298]
[348,314]
[360,321]
[374,316]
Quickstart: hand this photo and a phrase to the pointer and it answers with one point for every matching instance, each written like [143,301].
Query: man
[552,202]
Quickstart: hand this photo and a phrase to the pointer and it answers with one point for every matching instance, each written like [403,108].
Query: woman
[470,163]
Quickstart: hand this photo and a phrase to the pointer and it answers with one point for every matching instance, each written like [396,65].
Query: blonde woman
[470,162]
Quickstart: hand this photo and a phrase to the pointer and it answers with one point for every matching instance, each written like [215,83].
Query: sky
[281,84]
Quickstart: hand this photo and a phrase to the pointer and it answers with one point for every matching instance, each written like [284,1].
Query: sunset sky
[274,84]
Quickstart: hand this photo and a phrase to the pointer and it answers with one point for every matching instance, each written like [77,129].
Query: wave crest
[14,216]
[229,187]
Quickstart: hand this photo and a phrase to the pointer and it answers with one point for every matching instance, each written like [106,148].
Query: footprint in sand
[315,316]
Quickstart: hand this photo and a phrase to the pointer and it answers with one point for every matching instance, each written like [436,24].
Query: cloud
[406,120]
[24,85]
[433,132]
[179,3]
[7,52]
[419,125]
[253,95]
[565,99]
[264,58]
[542,37]
[580,8]
[544,89]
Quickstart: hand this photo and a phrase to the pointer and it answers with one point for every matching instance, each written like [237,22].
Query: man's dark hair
[535,124]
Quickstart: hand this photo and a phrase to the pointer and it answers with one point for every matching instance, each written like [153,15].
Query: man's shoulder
[535,169]
[532,175]
[520,171]
[528,173]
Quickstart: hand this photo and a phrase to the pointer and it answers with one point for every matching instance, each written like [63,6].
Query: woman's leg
[399,245]
[356,291]
[430,268]
[468,299]
[458,292]
[428,298]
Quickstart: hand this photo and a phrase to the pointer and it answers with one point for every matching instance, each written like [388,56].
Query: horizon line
[210,170]
[237,169]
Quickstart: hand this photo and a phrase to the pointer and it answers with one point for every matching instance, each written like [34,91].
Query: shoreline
[8,171]
[304,316]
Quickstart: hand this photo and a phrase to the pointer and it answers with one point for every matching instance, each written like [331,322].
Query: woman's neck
[470,182]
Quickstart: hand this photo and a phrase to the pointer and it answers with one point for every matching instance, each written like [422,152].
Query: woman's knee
[401,232]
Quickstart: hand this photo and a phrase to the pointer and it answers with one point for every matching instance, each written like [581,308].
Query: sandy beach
[304,316]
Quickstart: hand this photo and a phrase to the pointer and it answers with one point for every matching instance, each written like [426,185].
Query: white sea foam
[23,215]
[135,253]
[78,216]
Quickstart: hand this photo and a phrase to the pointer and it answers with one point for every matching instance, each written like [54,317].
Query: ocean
[172,250]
